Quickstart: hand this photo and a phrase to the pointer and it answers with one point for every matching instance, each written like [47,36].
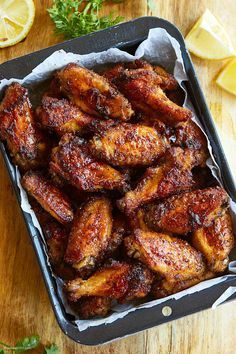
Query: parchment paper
[159,48]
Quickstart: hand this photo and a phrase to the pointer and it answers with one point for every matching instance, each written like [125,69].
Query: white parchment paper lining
[159,48]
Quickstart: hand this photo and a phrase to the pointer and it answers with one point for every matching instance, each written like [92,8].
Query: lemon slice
[227,77]
[208,39]
[16,19]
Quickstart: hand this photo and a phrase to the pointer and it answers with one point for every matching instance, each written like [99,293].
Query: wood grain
[24,304]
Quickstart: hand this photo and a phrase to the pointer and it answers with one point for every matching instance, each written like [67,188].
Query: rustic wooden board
[24,304]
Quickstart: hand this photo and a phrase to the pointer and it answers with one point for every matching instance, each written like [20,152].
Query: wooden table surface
[24,305]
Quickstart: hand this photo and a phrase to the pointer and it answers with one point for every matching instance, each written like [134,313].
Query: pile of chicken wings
[115,169]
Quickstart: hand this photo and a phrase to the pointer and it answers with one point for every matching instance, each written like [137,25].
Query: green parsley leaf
[53,349]
[2,351]
[77,18]
[22,345]
[27,343]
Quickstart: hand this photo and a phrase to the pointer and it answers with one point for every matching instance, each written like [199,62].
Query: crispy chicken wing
[26,143]
[90,234]
[142,88]
[189,135]
[165,80]
[128,145]
[163,288]
[56,236]
[171,177]
[136,220]
[72,161]
[61,116]
[170,257]
[50,197]
[215,242]
[187,212]
[92,306]
[119,281]
[93,93]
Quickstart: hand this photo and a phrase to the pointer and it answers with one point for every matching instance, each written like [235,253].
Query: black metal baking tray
[126,36]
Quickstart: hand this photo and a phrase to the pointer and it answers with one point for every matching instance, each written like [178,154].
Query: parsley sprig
[77,18]
[25,344]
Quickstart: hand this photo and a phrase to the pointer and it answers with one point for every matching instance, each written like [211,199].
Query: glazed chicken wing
[72,161]
[171,257]
[50,197]
[26,143]
[92,306]
[165,80]
[163,288]
[187,212]
[61,116]
[56,236]
[93,94]
[90,234]
[119,281]
[142,88]
[128,145]
[171,177]
[215,242]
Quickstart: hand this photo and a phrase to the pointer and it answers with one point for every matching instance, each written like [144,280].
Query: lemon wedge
[16,19]
[208,39]
[227,78]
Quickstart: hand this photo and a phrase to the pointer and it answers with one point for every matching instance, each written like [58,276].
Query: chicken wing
[187,212]
[90,234]
[56,236]
[189,135]
[119,281]
[26,143]
[142,88]
[136,220]
[71,160]
[171,257]
[171,177]
[50,197]
[165,80]
[61,116]
[93,94]
[215,242]
[163,288]
[92,306]
[128,145]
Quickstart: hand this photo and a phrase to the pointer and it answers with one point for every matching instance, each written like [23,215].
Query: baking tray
[126,36]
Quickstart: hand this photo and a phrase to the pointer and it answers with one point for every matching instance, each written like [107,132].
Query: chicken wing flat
[136,220]
[215,242]
[165,80]
[90,234]
[128,145]
[187,212]
[26,143]
[165,288]
[93,94]
[61,116]
[171,177]
[72,161]
[142,88]
[56,236]
[171,257]
[92,306]
[115,281]
[50,197]
[189,135]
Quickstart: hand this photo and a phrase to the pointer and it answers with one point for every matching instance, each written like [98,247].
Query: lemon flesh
[227,77]
[208,39]
[16,19]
